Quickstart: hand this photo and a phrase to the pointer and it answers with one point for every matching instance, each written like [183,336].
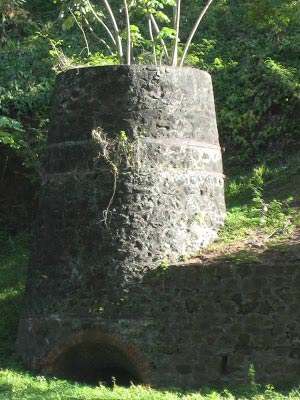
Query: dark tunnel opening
[94,363]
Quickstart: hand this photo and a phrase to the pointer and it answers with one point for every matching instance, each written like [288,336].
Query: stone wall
[134,182]
[188,325]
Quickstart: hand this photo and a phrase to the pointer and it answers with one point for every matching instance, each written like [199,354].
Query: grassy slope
[262,219]
[263,213]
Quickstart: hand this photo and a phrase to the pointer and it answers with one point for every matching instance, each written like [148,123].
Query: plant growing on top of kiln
[138,41]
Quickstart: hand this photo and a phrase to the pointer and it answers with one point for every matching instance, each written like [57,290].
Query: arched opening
[92,358]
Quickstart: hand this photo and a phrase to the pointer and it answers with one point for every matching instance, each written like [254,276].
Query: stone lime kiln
[133,184]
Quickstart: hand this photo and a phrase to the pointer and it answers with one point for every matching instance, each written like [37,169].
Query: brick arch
[130,357]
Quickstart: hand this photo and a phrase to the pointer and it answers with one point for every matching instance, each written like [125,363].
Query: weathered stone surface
[187,336]
[166,103]
[175,186]
[113,284]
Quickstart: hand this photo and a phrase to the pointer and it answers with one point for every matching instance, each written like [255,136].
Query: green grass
[19,385]
[13,265]
[260,203]
[263,202]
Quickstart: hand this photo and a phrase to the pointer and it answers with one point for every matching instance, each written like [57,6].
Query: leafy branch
[164,40]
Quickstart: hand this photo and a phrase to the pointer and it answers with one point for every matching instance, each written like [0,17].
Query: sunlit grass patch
[17,385]
[258,203]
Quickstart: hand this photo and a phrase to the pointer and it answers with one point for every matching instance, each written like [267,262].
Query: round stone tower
[133,182]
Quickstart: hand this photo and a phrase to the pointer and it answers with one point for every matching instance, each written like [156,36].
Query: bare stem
[116,29]
[128,57]
[97,37]
[102,23]
[152,40]
[82,30]
[176,27]
[106,212]
[193,31]
[156,28]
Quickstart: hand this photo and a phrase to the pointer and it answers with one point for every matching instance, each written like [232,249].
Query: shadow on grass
[272,181]
[261,270]
[13,266]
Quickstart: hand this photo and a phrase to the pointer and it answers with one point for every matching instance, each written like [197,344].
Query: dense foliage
[251,48]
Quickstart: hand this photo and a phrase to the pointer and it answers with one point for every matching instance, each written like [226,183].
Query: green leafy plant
[8,10]
[26,82]
[250,210]
[14,252]
[144,34]
[252,378]
[11,132]
[164,265]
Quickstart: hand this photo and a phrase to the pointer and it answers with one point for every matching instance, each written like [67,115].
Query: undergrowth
[255,208]
[13,265]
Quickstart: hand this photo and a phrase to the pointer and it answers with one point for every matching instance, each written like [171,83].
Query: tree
[144,33]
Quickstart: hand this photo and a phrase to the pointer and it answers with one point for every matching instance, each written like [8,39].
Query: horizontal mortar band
[178,142]
[68,143]
[181,142]
[157,170]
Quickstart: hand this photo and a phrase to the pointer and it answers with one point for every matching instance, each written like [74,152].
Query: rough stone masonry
[133,184]
[133,179]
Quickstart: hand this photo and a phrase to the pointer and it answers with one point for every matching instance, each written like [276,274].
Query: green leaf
[162,17]
[6,122]
[168,33]
[6,138]
[68,23]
